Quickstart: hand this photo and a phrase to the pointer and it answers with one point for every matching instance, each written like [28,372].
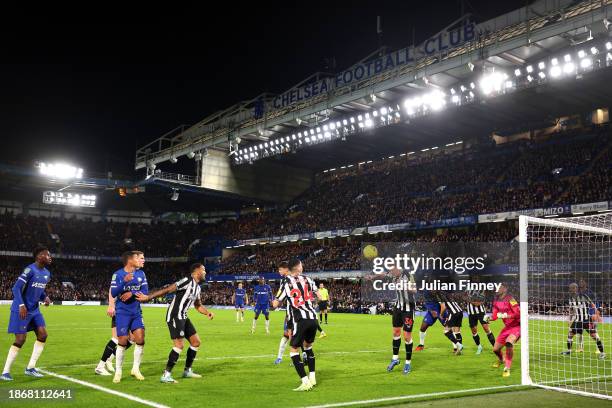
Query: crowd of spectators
[344,254]
[562,169]
[86,237]
[565,168]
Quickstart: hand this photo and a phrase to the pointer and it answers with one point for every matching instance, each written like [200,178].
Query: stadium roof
[24,184]
[524,37]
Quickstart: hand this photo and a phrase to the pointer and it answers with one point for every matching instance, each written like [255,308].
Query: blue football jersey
[239,295]
[137,284]
[30,288]
[263,294]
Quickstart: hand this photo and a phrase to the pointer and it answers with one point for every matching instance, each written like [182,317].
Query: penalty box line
[416,396]
[106,390]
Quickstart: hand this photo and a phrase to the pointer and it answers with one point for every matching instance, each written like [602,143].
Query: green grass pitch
[238,367]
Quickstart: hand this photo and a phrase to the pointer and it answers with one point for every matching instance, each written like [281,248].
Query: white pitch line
[106,390]
[415,396]
[100,328]
[230,357]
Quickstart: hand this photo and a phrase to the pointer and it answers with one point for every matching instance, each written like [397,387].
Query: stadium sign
[378,228]
[444,41]
[69,199]
[532,212]
[399,227]
[582,208]
[559,210]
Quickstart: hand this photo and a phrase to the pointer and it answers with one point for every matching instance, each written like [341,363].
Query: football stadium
[425,223]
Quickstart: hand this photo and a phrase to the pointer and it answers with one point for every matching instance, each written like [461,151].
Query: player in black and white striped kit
[187,295]
[452,327]
[580,319]
[403,317]
[283,271]
[300,292]
[477,313]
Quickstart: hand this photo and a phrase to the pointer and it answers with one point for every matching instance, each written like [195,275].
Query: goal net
[565,271]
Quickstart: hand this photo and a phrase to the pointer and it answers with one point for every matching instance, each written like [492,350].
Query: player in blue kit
[432,305]
[28,291]
[125,284]
[239,299]
[263,297]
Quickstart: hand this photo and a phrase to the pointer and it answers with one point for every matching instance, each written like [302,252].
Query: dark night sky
[91,89]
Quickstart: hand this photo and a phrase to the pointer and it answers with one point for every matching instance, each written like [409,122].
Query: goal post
[565,266]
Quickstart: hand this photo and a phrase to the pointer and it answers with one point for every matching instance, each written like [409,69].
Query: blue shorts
[128,322]
[429,319]
[31,322]
[262,309]
[239,306]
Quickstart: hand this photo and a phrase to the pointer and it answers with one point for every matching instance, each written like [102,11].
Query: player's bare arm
[202,309]
[110,310]
[141,297]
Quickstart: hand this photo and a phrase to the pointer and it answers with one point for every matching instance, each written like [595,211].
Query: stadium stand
[567,167]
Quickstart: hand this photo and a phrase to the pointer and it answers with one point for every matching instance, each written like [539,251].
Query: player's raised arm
[145,297]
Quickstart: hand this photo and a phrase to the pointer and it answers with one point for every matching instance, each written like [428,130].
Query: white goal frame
[524,223]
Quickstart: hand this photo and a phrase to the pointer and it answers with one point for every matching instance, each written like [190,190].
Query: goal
[565,300]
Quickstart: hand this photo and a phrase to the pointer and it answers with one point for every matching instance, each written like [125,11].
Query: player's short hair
[293,263]
[38,250]
[128,254]
[195,266]
[284,265]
